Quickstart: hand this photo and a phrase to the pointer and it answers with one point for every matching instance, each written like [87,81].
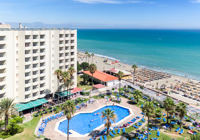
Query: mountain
[73,25]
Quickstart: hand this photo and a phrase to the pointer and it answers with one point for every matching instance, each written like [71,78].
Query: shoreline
[140,67]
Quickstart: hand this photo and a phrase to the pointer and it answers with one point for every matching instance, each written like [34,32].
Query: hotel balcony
[27,62]
[36,54]
[27,38]
[28,69]
[2,56]
[42,60]
[2,91]
[42,67]
[42,45]
[28,92]
[35,75]
[2,49]
[61,64]
[27,77]
[35,38]
[42,37]
[35,61]
[28,84]
[42,81]
[2,82]
[2,40]
[2,64]
[35,82]
[42,74]
[2,74]
[42,53]
[28,55]
[42,88]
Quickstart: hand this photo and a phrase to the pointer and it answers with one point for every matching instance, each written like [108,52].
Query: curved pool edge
[76,134]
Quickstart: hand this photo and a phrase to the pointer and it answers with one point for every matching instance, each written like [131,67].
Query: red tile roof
[101,76]
[99,86]
[76,89]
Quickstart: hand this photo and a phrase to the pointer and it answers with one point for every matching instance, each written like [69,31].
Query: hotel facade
[29,58]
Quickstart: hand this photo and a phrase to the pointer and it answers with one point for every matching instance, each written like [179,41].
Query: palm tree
[137,95]
[92,69]
[69,112]
[71,71]
[92,55]
[171,112]
[167,105]
[158,112]
[181,109]
[120,76]
[65,78]
[86,53]
[89,58]
[7,106]
[58,74]
[108,115]
[148,109]
[134,69]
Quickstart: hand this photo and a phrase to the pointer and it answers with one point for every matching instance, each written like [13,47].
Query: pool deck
[51,129]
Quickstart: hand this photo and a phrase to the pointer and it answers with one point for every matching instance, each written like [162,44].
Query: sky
[119,13]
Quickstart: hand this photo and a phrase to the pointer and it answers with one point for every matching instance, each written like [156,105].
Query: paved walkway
[53,135]
[28,117]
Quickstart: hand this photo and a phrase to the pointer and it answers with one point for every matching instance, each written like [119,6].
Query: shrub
[13,127]
[20,130]
[56,111]
[113,88]
[18,119]
[13,116]
[141,87]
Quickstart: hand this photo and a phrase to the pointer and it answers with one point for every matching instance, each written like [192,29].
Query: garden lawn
[81,85]
[28,133]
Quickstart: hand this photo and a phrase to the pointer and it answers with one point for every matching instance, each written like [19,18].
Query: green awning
[63,94]
[20,107]
[43,101]
[32,104]
[36,103]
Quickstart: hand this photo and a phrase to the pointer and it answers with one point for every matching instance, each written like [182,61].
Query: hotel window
[16,45]
[16,37]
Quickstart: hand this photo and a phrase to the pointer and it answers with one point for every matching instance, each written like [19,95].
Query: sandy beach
[101,65]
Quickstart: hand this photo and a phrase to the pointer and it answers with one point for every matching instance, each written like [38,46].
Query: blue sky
[130,13]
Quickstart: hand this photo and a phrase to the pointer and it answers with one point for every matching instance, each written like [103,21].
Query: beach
[101,65]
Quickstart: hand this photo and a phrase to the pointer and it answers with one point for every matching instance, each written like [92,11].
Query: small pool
[83,124]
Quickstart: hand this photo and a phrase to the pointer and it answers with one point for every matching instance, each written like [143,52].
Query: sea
[173,51]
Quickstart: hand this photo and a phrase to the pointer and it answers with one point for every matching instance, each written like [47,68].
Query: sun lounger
[181,131]
[124,130]
[49,119]
[177,129]
[100,138]
[105,138]
[154,138]
[144,138]
[118,131]
[158,133]
[164,119]
[138,117]
[111,135]
[135,126]
[143,120]
[114,131]
[78,107]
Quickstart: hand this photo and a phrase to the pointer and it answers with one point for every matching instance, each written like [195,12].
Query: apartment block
[29,57]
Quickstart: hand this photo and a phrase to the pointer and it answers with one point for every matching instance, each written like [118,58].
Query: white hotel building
[29,58]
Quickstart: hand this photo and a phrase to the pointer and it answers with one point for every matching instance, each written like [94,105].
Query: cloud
[99,1]
[195,1]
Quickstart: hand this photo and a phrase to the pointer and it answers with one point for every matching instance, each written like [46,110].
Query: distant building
[5,26]
[29,58]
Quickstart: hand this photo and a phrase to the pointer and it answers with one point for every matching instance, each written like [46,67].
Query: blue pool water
[82,123]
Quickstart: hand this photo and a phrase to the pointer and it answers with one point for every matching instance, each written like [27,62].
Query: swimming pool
[83,124]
